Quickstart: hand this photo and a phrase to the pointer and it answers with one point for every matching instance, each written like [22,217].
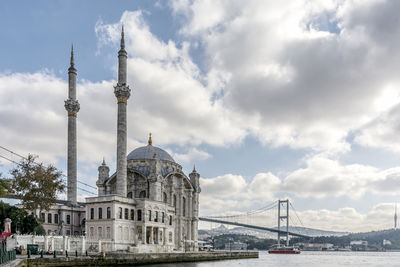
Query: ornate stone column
[72,107]
[122,93]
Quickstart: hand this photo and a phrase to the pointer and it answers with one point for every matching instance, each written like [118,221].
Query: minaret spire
[122,93]
[150,142]
[72,56]
[72,106]
[122,38]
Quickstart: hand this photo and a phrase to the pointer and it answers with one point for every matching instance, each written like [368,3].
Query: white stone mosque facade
[147,205]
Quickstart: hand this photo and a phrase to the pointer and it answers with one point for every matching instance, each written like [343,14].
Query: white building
[160,211]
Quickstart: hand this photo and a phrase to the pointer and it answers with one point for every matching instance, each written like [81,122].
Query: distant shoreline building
[147,205]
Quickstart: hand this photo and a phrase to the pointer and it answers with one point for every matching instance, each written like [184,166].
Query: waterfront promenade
[125,258]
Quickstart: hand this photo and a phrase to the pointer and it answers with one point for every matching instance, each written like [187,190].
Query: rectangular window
[108,232]
[108,213]
[100,213]
[132,214]
[126,214]
[139,215]
[68,219]
[68,232]
[139,233]
[100,232]
[170,219]
[49,217]
[156,216]
[120,213]
[56,218]
[162,217]
[42,217]
[91,213]
[149,215]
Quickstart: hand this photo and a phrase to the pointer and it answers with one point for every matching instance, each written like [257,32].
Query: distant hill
[203,234]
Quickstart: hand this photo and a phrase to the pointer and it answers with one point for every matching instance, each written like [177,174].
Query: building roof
[149,152]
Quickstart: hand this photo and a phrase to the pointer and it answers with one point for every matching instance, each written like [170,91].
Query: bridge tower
[285,204]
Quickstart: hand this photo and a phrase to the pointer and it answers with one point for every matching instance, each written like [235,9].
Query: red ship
[283,250]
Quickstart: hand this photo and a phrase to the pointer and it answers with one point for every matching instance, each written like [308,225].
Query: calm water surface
[306,258]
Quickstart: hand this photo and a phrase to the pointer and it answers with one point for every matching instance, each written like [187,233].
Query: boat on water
[283,250]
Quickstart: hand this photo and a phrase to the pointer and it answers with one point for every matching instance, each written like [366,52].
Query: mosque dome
[148,152]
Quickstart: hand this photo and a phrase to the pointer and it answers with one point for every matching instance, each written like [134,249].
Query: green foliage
[252,241]
[39,230]
[35,184]
[4,186]
[21,221]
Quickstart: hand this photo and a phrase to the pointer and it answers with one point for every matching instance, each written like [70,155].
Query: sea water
[306,259]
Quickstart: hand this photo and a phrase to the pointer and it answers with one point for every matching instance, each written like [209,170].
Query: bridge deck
[252,226]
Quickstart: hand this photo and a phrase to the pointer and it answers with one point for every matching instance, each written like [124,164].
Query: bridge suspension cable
[249,213]
[63,175]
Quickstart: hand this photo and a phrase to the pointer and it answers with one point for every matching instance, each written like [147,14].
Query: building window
[139,215]
[170,237]
[100,213]
[132,214]
[120,233]
[68,232]
[120,213]
[132,234]
[68,219]
[91,213]
[139,233]
[49,216]
[56,218]
[142,194]
[126,214]
[175,202]
[108,232]
[43,217]
[129,195]
[156,216]
[184,206]
[91,232]
[149,215]
[162,217]
[100,232]
[165,199]
[170,219]
[108,213]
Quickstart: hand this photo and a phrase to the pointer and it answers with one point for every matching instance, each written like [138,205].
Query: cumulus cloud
[307,72]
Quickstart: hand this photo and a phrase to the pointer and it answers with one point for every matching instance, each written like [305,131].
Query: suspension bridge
[275,214]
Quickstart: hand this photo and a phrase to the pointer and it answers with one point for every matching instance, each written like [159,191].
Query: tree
[20,220]
[35,184]
[4,186]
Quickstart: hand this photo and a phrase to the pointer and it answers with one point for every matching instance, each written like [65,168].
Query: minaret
[122,93]
[395,216]
[72,106]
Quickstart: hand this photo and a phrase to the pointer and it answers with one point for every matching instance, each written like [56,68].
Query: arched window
[165,197]
[130,195]
[184,206]
[142,194]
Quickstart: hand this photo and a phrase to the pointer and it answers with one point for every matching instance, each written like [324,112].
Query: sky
[289,99]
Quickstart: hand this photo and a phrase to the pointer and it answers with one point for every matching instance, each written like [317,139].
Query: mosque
[147,205]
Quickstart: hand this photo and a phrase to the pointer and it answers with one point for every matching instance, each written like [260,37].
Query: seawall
[127,259]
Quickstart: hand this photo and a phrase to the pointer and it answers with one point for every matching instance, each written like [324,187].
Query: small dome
[147,152]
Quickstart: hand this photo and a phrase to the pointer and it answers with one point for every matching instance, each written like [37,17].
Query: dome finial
[150,142]
[194,168]
[104,162]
